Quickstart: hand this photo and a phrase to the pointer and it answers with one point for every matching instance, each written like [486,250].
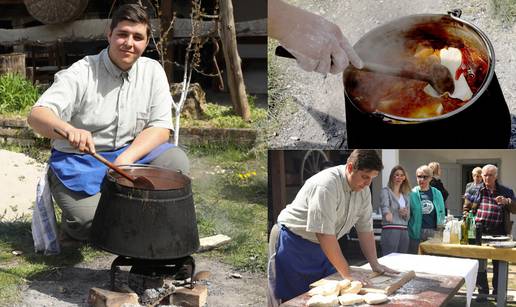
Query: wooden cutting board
[378,283]
[388,283]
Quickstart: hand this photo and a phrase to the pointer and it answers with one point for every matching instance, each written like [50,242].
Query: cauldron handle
[455,13]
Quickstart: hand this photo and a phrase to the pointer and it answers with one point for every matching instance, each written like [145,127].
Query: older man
[117,103]
[327,206]
[494,203]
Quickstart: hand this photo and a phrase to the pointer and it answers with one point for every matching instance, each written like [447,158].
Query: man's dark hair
[365,159]
[131,12]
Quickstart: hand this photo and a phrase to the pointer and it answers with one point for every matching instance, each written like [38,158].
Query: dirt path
[70,286]
[19,175]
[315,117]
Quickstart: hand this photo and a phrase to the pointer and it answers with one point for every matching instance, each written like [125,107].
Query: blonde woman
[426,209]
[476,174]
[395,206]
[437,183]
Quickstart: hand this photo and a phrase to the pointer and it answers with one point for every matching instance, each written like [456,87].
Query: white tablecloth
[466,268]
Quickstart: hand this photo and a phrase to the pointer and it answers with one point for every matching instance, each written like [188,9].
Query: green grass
[9,287]
[16,270]
[232,200]
[230,190]
[505,10]
[220,116]
[17,94]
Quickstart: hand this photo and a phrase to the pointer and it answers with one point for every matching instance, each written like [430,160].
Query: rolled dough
[375,298]
[353,288]
[323,301]
[350,299]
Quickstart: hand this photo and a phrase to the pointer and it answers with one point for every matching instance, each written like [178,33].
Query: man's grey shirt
[115,106]
[326,204]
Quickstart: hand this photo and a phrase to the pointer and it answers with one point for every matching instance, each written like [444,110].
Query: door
[451,176]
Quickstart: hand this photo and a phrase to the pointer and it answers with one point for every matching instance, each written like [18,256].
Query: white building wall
[390,158]
[412,159]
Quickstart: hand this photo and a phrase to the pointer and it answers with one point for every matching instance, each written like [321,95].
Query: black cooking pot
[146,224]
[482,122]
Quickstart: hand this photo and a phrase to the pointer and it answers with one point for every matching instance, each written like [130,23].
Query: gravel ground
[312,113]
[70,286]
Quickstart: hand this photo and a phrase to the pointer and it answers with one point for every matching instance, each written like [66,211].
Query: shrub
[17,94]
[222,116]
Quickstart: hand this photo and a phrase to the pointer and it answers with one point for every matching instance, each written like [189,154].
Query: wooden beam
[233,62]
[102,298]
[195,297]
[212,242]
[12,63]
[278,183]
[11,2]
[96,29]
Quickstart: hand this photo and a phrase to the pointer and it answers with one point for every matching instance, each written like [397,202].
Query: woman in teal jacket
[426,209]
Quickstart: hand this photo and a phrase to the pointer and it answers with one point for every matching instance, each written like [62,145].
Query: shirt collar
[484,187]
[114,70]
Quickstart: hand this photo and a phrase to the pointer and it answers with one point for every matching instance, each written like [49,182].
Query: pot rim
[128,167]
[487,80]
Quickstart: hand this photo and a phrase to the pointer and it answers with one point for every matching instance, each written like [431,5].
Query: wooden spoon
[139,182]
[438,76]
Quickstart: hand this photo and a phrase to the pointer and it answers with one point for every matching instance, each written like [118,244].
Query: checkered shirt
[489,213]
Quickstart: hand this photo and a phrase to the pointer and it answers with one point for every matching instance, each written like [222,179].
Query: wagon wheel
[313,162]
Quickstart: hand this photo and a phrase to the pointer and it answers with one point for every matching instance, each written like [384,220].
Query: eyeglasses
[423,177]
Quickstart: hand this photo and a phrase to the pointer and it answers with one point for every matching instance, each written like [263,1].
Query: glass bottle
[464,230]
[471,228]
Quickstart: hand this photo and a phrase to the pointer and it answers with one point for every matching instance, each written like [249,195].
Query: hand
[122,160]
[317,43]
[403,212]
[383,269]
[502,200]
[388,217]
[81,139]
[366,282]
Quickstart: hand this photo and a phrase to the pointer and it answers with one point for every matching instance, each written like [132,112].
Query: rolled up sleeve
[62,96]
[322,208]
[161,104]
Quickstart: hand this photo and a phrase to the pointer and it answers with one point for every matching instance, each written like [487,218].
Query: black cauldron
[146,224]
[483,122]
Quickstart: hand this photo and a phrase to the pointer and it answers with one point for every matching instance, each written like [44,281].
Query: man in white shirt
[117,103]
[325,209]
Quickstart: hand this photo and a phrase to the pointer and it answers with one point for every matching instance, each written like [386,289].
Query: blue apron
[299,263]
[83,173]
